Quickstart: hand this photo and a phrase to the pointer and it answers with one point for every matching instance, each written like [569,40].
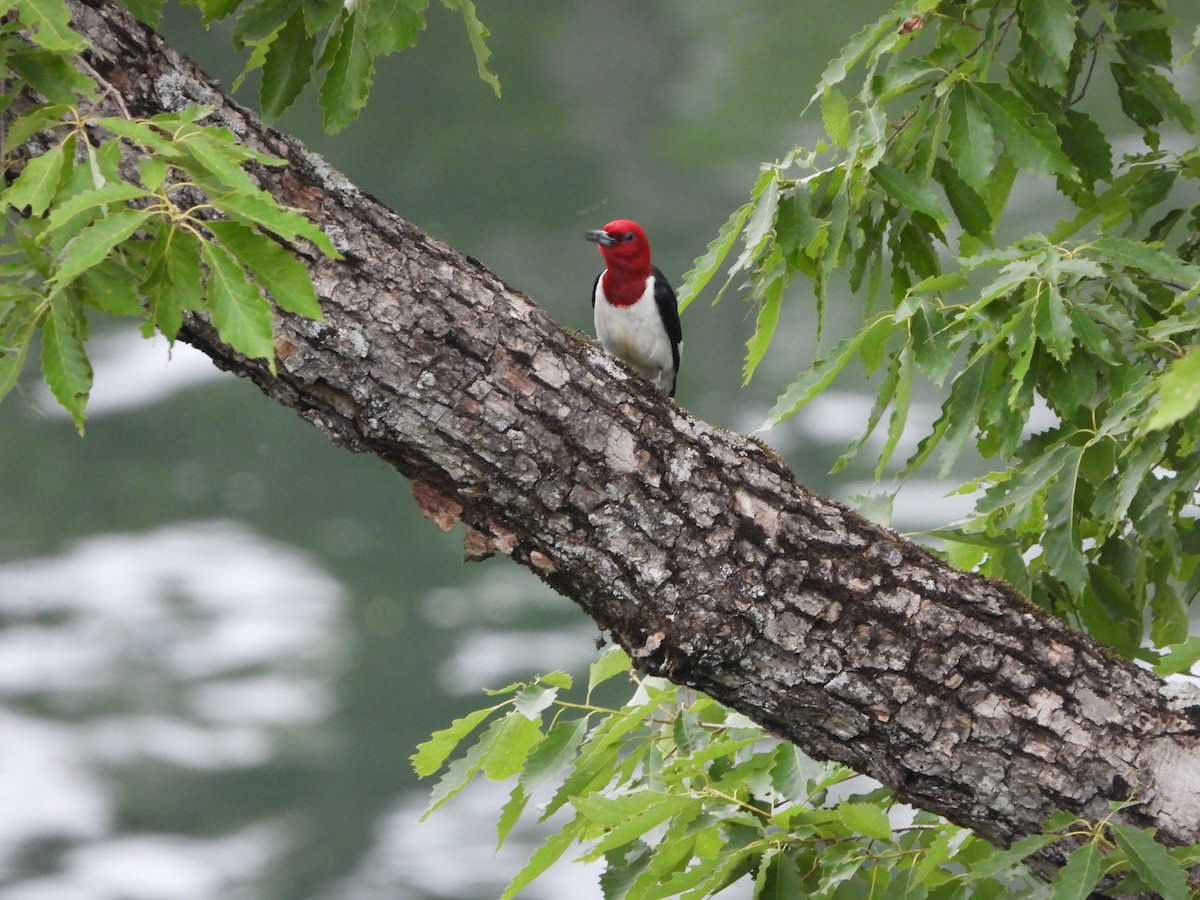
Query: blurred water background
[221,637]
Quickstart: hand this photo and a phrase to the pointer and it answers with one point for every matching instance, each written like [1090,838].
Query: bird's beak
[601,237]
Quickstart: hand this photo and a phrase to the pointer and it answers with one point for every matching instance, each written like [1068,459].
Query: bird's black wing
[594,285]
[668,308]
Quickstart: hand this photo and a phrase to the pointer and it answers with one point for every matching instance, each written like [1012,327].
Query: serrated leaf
[240,313]
[393,25]
[96,242]
[114,192]
[909,192]
[1051,23]
[64,361]
[653,808]
[258,19]
[543,858]
[866,819]
[1181,658]
[1063,553]
[1161,871]
[459,773]
[1004,859]
[779,878]
[215,152]
[511,813]
[36,185]
[261,209]
[706,266]
[273,267]
[535,698]
[551,758]
[14,347]
[211,10]
[477,35]
[822,373]
[764,325]
[430,754]
[1024,132]
[287,67]
[971,142]
[612,662]
[1078,878]
[51,24]
[835,112]
[1177,391]
[351,68]
[149,11]
[39,118]
[513,742]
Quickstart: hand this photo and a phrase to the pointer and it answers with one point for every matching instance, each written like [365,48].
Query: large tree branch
[692,546]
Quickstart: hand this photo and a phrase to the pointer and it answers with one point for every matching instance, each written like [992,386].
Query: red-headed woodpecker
[637,319]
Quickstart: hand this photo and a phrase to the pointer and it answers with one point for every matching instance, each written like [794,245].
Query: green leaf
[1181,658]
[149,11]
[706,266]
[910,193]
[92,245]
[1149,258]
[51,24]
[646,810]
[901,400]
[64,363]
[543,858]
[517,801]
[276,269]
[477,34]
[393,25]
[866,819]
[211,10]
[432,753]
[1051,23]
[459,773]
[42,117]
[36,185]
[351,68]
[513,742]
[240,313]
[764,326]
[1177,391]
[612,662]
[823,372]
[261,209]
[1005,859]
[1079,877]
[14,347]
[88,201]
[551,758]
[835,111]
[287,67]
[1024,132]
[1062,544]
[1161,871]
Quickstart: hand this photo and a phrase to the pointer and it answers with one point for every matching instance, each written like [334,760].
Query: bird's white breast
[636,335]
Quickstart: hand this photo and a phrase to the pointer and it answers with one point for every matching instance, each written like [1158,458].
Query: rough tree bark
[693,547]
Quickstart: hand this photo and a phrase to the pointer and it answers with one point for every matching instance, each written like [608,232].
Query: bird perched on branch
[637,319]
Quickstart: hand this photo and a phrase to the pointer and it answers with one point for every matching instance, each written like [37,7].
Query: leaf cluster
[932,116]
[681,797]
[149,218]
[291,41]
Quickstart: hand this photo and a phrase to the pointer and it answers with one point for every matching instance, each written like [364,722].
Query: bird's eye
[626,237]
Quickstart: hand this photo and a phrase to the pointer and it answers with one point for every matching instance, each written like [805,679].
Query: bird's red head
[624,247]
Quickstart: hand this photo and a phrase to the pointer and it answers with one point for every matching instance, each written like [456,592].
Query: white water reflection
[130,660]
